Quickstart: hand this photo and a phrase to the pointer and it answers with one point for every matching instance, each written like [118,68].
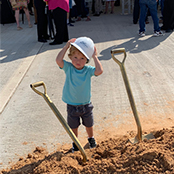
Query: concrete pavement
[26,120]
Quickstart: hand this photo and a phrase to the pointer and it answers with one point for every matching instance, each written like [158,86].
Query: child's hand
[72,40]
[95,52]
[69,42]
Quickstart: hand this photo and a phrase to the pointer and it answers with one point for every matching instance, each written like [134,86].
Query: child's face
[78,60]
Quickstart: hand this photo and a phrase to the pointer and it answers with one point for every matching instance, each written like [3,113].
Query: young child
[77,87]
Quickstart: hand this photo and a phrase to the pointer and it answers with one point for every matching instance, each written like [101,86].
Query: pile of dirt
[114,155]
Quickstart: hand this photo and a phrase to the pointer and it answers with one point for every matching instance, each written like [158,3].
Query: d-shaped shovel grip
[117,51]
[37,84]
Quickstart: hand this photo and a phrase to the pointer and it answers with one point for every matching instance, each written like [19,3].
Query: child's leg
[75,131]
[75,148]
[91,139]
[89,131]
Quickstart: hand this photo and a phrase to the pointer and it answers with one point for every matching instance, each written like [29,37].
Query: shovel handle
[59,116]
[128,89]
[116,51]
[37,84]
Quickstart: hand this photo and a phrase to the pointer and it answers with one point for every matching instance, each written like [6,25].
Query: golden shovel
[139,137]
[59,116]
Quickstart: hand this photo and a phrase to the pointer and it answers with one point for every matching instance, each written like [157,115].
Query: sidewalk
[26,120]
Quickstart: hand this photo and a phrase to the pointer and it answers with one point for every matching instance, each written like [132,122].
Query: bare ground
[114,155]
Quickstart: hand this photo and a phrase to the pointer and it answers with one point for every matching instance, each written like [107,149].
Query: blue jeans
[152,5]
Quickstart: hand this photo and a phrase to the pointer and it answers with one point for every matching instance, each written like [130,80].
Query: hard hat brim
[81,50]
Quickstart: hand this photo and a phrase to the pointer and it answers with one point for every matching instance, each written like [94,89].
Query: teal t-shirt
[77,87]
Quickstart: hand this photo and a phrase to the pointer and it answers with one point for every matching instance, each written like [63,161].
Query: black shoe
[42,40]
[55,43]
[92,143]
[74,148]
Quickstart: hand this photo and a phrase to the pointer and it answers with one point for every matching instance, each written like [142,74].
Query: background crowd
[58,15]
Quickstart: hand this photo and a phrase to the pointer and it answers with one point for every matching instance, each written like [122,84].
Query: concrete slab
[26,120]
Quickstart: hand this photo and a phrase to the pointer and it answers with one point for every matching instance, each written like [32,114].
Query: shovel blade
[145,136]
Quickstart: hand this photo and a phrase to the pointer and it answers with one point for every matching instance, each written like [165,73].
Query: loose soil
[114,155]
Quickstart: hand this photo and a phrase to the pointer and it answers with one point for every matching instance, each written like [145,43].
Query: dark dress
[42,32]
[60,21]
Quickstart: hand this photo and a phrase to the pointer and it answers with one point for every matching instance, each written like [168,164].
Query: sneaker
[142,34]
[158,33]
[74,148]
[92,143]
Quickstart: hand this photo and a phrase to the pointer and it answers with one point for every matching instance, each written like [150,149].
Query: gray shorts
[80,111]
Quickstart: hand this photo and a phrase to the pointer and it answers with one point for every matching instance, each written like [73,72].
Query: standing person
[107,4]
[77,87]
[161,2]
[168,16]
[35,13]
[98,7]
[82,10]
[30,5]
[59,11]
[136,13]
[18,5]
[42,31]
[69,20]
[152,5]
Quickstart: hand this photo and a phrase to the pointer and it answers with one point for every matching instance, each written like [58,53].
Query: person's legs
[106,6]
[74,147]
[91,139]
[28,17]
[35,13]
[168,15]
[112,6]
[172,15]
[162,7]
[75,131]
[41,20]
[153,11]
[136,11]
[60,20]
[85,10]
[93,7]
[17,17]
[30,5]
[89,131]
[97,7]
[79,9]
[143,13]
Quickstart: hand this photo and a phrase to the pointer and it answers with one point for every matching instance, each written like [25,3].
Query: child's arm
[98,65]
[60,56]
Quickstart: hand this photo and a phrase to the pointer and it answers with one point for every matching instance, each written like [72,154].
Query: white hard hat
[85,45]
